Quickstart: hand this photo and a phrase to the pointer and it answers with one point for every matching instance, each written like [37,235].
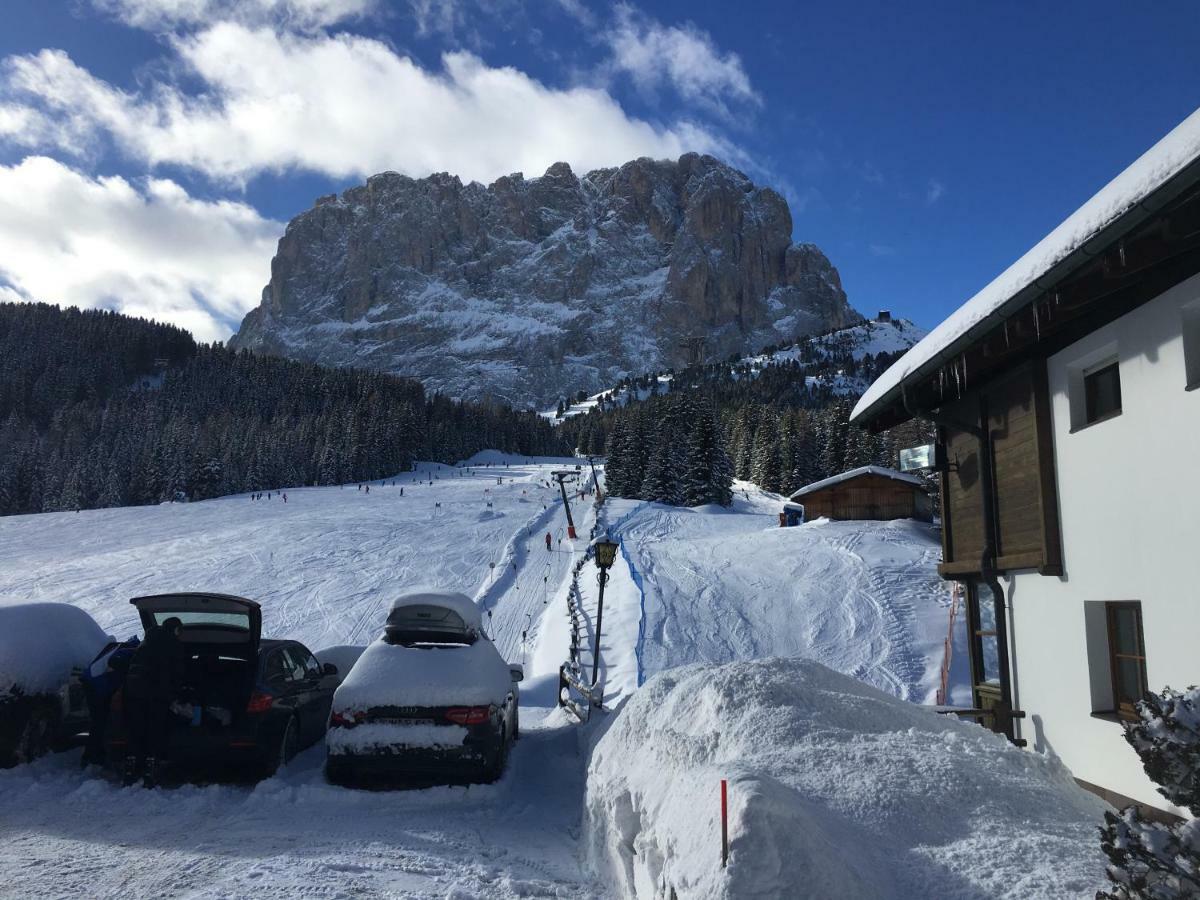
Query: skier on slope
[547,540]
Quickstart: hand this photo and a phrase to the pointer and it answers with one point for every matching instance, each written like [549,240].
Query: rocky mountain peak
[525,289]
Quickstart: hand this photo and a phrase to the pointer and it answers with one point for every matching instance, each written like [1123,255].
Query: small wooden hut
[869,492]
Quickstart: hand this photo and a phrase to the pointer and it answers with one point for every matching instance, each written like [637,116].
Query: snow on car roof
[855,473]
[1157,166]
[453,600]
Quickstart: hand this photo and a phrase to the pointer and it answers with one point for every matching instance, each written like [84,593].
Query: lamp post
[606,555]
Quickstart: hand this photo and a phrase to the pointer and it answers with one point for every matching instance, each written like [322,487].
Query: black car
[241,700]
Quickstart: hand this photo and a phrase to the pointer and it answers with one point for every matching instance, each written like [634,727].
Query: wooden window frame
[1121,708]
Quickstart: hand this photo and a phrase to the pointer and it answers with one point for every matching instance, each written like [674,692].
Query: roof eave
[1121,225]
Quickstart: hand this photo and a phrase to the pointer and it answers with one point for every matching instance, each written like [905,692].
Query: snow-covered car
[41,705]
[242,700]
[431,698]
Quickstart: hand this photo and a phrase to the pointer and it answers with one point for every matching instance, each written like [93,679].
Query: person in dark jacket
[101,679]
[150,685]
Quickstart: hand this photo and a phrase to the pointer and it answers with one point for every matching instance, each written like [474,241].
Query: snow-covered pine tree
[661,481]
[1149,860]
[707,470]
[766,472]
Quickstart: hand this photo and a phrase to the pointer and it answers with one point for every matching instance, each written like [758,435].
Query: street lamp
[606,555]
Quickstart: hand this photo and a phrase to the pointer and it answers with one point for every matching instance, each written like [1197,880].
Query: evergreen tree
[1149,860]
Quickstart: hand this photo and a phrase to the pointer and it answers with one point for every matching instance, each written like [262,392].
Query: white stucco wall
[1129,500]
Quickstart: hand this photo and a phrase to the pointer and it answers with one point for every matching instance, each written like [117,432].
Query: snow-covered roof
[460,603]
[855,473]
[1117,207]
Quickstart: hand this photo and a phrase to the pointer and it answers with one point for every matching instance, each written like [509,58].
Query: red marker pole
[724,825]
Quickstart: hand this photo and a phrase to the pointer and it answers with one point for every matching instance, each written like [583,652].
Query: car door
[306,681]
[279,674]
[323,688]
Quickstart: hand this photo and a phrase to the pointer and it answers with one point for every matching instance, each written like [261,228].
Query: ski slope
[863,598]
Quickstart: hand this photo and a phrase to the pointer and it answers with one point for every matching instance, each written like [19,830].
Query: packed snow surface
[721,585]
[442,675]
[835,790]
[41,642]
[1149,172]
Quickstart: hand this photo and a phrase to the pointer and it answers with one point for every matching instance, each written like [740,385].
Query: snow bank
[393,675]
[376,737]
[41,642]
[835,790]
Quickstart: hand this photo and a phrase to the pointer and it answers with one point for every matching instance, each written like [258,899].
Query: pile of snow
[456,602]
[41,642]
[835,790]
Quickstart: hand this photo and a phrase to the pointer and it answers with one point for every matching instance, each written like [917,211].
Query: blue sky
[151,150]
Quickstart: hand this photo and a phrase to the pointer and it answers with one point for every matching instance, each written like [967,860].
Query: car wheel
[289,742]
[495,766]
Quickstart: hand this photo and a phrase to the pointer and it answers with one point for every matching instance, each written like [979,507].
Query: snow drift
[836,790]
[41,642]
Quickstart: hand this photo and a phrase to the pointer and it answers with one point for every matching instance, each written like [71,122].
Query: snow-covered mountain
[526,289]
[824,357]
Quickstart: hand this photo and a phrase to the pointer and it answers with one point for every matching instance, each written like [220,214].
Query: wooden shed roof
[881,471]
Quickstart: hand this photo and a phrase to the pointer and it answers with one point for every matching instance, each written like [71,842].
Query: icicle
[1007,342]
[964,359]
[957,380]
[1121,250]
[942,383]
[1037,324]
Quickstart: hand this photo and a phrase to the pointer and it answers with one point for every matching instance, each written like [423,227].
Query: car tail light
[345,719]
[469,715]
[259,702]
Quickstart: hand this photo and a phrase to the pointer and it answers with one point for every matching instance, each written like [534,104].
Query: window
[1102,392]
[1127,656]
[1191,344]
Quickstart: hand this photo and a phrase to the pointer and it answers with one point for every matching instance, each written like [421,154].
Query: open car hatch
[206,618]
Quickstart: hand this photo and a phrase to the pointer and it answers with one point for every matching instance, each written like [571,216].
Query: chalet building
[1068,420]
[870,492]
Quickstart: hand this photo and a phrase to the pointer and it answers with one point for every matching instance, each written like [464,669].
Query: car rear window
[197,624]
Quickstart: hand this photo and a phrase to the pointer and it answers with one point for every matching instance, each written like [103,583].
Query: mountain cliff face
[525,290]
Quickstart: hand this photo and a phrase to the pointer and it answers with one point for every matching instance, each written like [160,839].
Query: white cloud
[302,15]
[934,191]
[342,105]
[146,249]
[683,56]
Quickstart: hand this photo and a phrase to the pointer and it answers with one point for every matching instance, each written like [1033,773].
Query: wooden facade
[1017,411]
[866,496]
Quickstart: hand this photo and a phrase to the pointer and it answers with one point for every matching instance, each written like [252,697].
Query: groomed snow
[721,585]
[1149,172]
[835,790]
[41,642]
